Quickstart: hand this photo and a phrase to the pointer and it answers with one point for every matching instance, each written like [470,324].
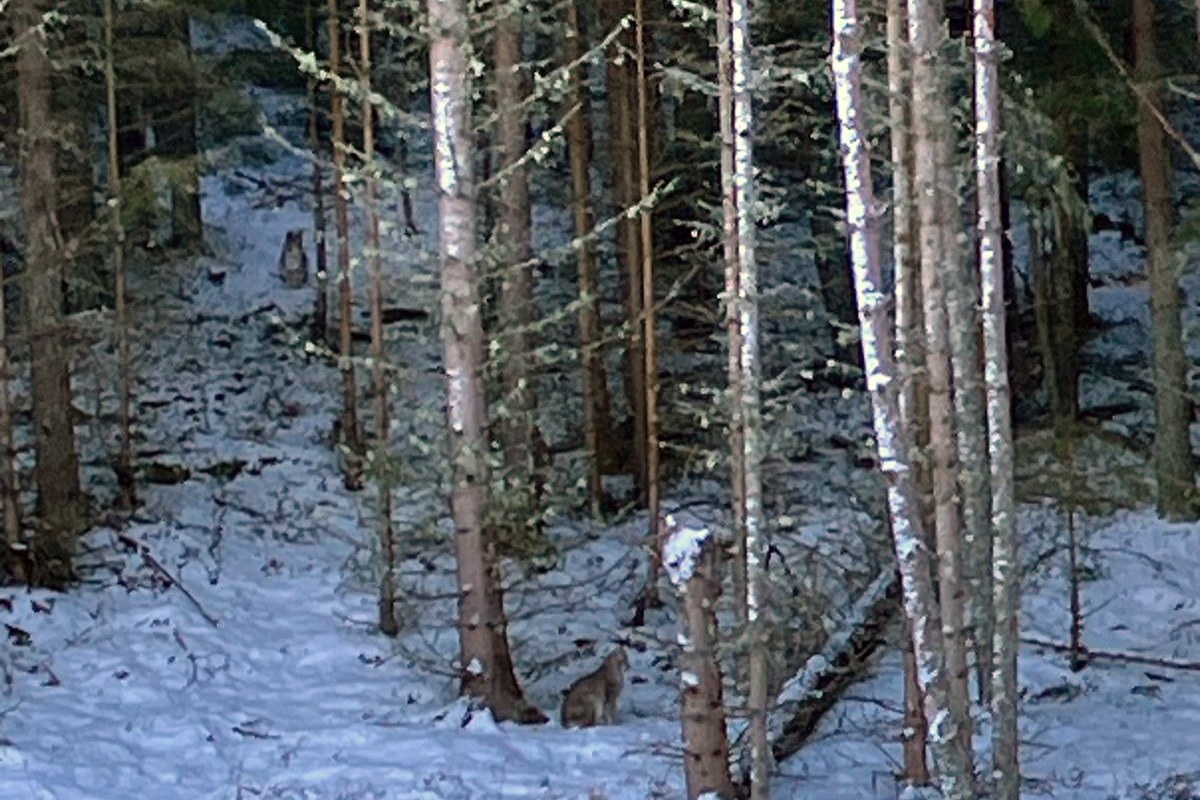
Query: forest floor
[256,670]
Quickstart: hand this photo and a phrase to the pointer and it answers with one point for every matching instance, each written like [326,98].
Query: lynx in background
[592,700]
[293,260]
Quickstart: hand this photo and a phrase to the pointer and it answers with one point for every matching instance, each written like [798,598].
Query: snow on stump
[689,555]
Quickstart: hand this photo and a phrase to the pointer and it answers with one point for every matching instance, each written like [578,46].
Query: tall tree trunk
[623,149]
[126,480]
[1003,561]
[597,420]
[487,670]
[691,557]
[61,504]
[931,127]
[908,530]
[517,424]
[351,441]
[72,102]
[909,357]
[741,282]
[379,373]
[1174,462]
[320,321]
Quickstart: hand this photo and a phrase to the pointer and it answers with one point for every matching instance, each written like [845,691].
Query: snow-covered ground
[261,674]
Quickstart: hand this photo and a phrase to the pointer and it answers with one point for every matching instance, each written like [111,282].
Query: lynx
[293,260]
[592,700]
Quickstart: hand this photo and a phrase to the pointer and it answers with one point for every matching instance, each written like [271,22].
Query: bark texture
[61,506]
[1174,462]
[487,671]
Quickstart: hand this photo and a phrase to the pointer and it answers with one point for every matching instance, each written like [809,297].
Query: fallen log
[813,692]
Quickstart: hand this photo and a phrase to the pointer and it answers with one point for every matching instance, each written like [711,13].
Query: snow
[686,538]
[123,688]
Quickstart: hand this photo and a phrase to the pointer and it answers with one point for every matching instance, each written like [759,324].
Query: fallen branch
[1111,655]
[153,563]
[826,678]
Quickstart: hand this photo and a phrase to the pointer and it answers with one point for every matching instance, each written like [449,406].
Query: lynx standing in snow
[592,700]
[293,260]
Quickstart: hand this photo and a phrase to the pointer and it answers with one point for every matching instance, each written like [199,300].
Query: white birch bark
[909,541]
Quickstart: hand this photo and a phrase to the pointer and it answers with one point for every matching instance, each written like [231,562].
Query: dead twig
[1111,655]
[153,563]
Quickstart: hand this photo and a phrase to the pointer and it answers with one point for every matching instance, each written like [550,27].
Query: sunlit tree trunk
[1005,586]
[485,661]
[910,543]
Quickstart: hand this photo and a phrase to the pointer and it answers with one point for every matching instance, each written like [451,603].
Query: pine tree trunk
[379,373]
[487,671]
[351,441]
[1174,462]
[696,576]
[622,143]
[320,321]
[517,426]
[1004,564]
[61,505]
[910,544]
[597,419]
[126,480]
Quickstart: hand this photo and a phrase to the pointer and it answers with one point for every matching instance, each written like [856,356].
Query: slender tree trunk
[126,480]
[597,421]
[741,282]
[517,428]
[320,321]
[1174,462]
[908,534]
[487,671]
[1005,599]
[931,127]
[379,373]
[622,141]
[970,423]
[692,562]
[350,438]
[909,357]
[61,504]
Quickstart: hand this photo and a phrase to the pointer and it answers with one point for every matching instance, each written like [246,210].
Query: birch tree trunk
[932,157]
[126,480]
[741,282]
[61,505]
[517,424]
[909,540]
[351,441]
[597,420]
[909,358]
[485,661]
[1174,462]
[1005,599]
